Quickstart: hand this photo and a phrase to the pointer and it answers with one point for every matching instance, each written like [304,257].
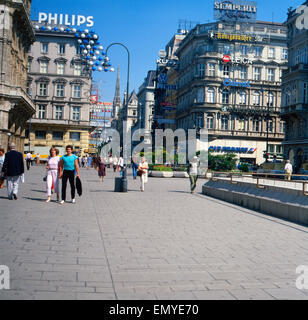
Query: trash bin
[118,185]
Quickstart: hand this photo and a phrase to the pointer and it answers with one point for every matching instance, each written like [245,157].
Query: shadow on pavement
[35,199]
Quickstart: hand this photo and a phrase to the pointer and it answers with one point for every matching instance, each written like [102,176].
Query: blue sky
[145,27]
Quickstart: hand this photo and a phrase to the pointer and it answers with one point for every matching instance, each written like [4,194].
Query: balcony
[295,108]
[245,134]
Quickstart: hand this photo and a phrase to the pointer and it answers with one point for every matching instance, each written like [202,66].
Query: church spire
[117,97]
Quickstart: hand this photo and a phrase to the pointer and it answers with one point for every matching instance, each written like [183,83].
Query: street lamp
[124,175]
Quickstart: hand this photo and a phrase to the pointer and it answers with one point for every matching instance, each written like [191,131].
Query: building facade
[295,91]
[229,81]
[16,106]
[59,81]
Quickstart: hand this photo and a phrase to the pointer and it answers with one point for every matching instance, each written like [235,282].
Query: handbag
[140,173]
[45,179]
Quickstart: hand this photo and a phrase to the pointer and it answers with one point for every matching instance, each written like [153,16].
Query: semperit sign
[235,10]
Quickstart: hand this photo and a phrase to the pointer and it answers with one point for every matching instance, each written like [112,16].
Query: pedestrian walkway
[161,244]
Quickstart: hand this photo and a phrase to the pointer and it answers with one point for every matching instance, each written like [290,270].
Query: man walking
[193,173]
[289,170]
[13,168]
[28,160]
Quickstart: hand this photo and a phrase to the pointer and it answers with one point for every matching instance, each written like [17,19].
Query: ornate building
[229,81]
[59,81]
[295,90]
[16,106]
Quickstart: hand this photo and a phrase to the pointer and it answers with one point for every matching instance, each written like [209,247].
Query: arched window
[210,95]
[225,96]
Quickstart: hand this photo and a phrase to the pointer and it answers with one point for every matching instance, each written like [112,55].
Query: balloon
[94,58]
[86,41]
[106,59]
[100,69]
[101,48]
[89,47]
[49,28]
[67,29]
[95,36]
[91,63]
[79,41]
[85,51]
[91,52]
[91,42]
[97,63]
[88,57]
[62,29]
[86,31]
[89,36]
[95,47]
[97,42]
[105,69]
[82,46]
[77,35]
[97,52]
[112,69]
[43,28]
[79,30]
[103,53]
[100,59]
[94,68]
[83,35]
[37,27]
[55,29]
[74,30]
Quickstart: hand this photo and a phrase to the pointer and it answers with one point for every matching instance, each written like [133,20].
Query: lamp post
[124,175]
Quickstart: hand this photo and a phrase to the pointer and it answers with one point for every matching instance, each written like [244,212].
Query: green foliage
[223,162]
[161,168]
[244,167]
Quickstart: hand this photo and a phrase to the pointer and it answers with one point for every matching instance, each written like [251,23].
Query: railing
[214,176]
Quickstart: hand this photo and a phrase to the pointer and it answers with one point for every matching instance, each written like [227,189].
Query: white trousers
[143,180]
[12,185]
[52,176]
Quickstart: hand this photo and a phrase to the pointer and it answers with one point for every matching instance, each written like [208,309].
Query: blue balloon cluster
[91,48]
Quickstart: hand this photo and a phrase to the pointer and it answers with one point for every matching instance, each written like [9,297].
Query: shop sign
[226,59]
[65,19]
[230,83]
[232,149]
[166,86]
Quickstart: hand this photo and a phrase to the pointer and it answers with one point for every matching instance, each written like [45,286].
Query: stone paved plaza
[161,244]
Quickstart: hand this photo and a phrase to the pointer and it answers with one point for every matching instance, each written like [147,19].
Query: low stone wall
[281,202]
[168,174]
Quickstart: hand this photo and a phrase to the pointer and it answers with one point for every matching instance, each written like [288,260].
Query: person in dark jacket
[13,169]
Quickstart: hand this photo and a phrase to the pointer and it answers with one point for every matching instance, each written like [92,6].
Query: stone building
[16,106]
[59,81]
[295,90]
[229,81]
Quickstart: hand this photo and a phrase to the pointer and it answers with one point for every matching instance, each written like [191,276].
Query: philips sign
[230,83]
[65,19]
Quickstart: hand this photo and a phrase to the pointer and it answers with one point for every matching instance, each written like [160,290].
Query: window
[60,67]
[285,54]
[287,97]
[242,97]
[210,95]
[226,71]
[75,136]
[271,74]
[200,70]
[59,90]
[225,96]
[76,113]
[270,99]
[243,73]
[210,122]
[212,69]
[258,51]
[256,125]
[297,57]
[42,89]
[270,126]
[61,48]
[227,49]
[78,50]
[29,65]
[257,73]
[271,53]
[77,91]
[271,148]
[256,98]
[305,85]
[41,112]
[200,95]
[57,135]
[244,50]
[224,123]
[43,66]
[59,112]
[40,134]
[241,125]
[28,88]
[282,127]
[77,69]
[44,47]
[304,55]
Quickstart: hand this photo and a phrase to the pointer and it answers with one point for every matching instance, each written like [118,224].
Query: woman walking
[193,173]
[143,172]
[135,169]
[101,169]
[68,165]
[53,173]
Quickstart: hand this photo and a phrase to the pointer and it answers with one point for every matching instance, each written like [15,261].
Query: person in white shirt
[289,170]
[115,163]
[28,160]
[121,165]
[193,173]
[2,158]
[143,168]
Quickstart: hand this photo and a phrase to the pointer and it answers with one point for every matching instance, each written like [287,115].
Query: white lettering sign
[4,278]
[224,5]
[65,19]
[241,60]
[302,19]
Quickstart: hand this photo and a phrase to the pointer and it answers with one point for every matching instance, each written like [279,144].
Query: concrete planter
[180,174]
[161,174]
